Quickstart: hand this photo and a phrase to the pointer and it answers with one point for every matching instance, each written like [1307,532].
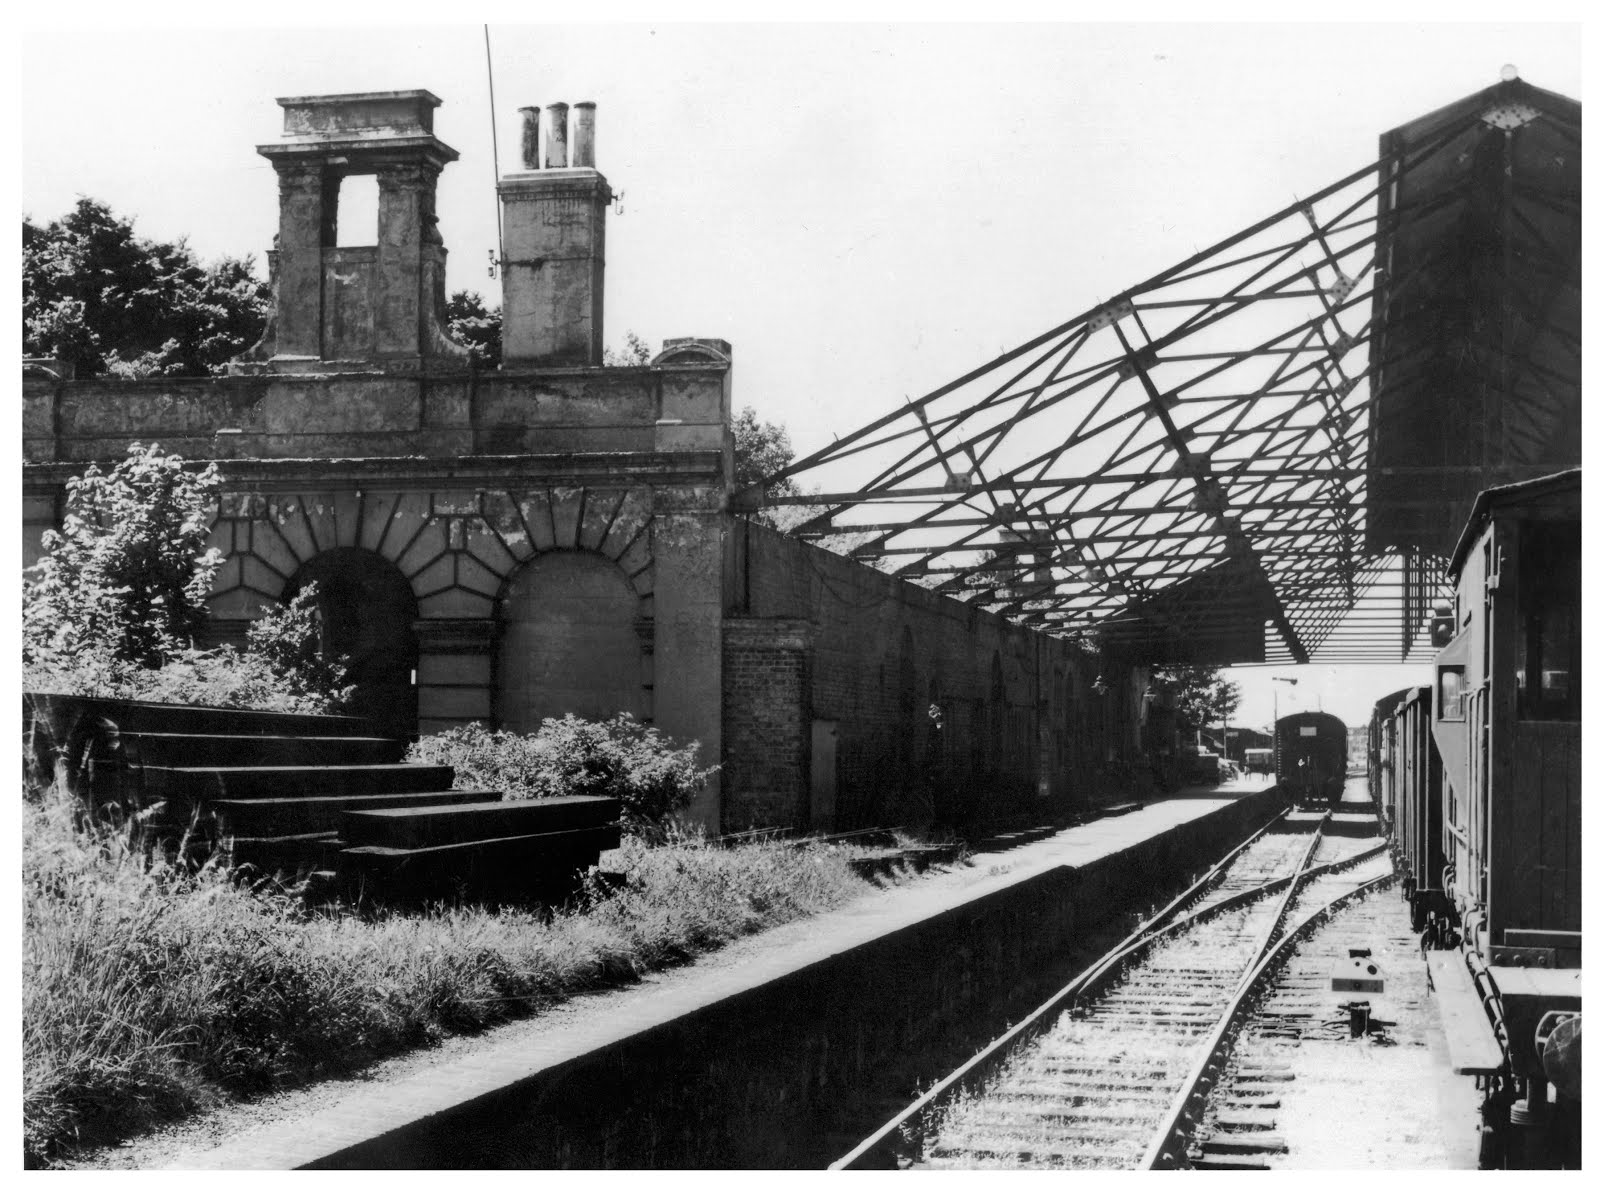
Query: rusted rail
[1227,889]
[1169,1149]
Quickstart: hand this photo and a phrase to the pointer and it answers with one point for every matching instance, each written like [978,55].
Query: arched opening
[977,737]
[369,614]
[1058,718]
[907,705]
[569,642]
[1080,750]
[997,714]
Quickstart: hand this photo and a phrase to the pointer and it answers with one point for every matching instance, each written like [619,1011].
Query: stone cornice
[570,468]
[102,382]
[370,150]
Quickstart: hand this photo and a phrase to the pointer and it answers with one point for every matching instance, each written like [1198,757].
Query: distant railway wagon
[1309,757]
[1258,759]
[1479,776]
[1409,798]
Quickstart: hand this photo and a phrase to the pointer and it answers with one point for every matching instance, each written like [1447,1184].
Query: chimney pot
[556,143]
[583,134]
[530,138]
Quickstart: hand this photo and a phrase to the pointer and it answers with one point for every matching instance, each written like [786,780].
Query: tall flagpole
[494,139]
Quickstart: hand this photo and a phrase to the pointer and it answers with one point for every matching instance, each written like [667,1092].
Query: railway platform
[757,1056]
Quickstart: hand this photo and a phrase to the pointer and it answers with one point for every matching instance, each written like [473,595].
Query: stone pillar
[301,204]
[686,544]
[398,301]
[696,411]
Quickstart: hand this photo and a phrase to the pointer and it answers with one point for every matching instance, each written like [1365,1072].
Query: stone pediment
[695,353]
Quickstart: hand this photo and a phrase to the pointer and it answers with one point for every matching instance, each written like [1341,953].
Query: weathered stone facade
[551,536]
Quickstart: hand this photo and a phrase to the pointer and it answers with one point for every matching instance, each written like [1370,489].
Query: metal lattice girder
[1192,453]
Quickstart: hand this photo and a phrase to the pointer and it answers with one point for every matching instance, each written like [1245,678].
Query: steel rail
[1086,983]
[1271,886]
[1168,1150]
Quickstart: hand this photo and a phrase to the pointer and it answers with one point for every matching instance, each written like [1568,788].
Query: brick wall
[1009,742]
[766,719]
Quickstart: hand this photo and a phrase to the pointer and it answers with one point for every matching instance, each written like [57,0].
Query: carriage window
[1451,682]
[1547,654]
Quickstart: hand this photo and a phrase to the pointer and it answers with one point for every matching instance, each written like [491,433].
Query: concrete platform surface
[304,1127]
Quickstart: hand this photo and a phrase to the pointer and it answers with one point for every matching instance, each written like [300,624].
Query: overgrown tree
[476,325]
[635,352]
[759,450]
[1201,696]
[109,301]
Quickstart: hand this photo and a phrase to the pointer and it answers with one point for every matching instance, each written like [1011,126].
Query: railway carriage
[1416,810]
[1482,775]
[1381,752]
[1309,757]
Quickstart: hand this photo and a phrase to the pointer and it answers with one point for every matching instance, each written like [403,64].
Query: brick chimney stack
[555,244]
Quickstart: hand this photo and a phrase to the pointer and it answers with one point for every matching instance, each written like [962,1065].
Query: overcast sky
[863,211]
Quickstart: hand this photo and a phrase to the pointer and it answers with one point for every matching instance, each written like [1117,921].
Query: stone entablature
[457,483]
[679,405]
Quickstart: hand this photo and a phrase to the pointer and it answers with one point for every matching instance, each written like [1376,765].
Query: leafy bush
[111,609]
[652,776]
[129,569]
[287,642]
[269,674]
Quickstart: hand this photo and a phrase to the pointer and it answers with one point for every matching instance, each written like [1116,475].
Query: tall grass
[149,992]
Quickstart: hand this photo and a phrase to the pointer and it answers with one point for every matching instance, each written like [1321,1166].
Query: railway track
[1386,1079]
[1115,1070]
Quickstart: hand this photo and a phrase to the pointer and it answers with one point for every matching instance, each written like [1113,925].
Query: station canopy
[1263,453]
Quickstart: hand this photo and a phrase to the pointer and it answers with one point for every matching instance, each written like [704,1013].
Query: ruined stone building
[553,536]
